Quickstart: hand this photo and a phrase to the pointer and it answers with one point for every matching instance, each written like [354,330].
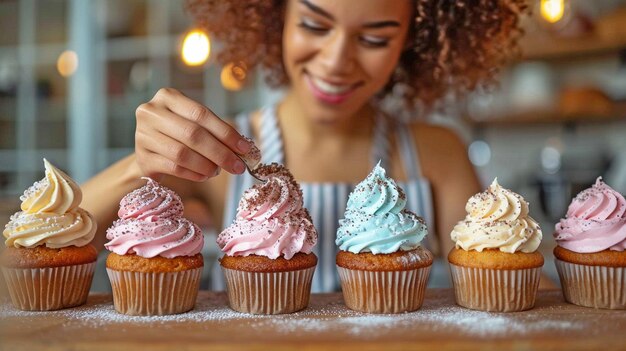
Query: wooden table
[325,325]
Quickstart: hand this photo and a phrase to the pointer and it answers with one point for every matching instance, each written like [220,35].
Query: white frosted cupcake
[495,265]
[48,263]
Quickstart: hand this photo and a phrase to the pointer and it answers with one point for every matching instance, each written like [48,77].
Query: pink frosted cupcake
[155,262]
[591,256]
[268,263]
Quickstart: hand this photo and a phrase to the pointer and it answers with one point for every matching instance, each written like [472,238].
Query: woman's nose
[337,55]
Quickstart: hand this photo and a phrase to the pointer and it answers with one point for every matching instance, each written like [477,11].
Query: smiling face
[339,54]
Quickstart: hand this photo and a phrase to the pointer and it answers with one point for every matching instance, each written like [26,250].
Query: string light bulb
[67,63]
[233,76]
[552,10]
[196,48]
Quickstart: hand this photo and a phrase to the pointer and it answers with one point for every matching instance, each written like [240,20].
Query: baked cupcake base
[496,281]
[384,283]
[260,285]
[46,279]
[595,280]
[154,286]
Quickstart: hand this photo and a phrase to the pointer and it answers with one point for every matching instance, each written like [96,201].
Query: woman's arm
[103,192]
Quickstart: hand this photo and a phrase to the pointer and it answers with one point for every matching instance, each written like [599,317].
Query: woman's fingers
[179,153]
[178,136]
[197,113]
[159,164]
[197,139]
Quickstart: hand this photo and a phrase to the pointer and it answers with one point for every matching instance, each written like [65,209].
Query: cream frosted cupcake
[495,265]
[155,262]
[48,263]
[591,251]
[382,267]
[268,262]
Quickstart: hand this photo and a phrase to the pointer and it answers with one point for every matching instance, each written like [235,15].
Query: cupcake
[591,256]
[382,267]
[268,263]
[155,262]
[495,265]
[48,263]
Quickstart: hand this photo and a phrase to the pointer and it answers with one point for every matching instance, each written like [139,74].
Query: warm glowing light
[233,76]
[196,48]
[67,63]
[552,10]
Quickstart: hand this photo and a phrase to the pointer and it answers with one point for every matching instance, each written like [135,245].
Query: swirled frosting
[271,220]
[55,193]
[50,214]
[151,224]
[149,202]
[497,219]
[595,221]
[376,220]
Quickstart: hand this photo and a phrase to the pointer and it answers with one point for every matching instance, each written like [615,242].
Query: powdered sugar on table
[327,314]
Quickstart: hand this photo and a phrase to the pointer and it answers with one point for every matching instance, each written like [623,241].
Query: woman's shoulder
[433,136]
[440,148]
[426,132]
[434,142]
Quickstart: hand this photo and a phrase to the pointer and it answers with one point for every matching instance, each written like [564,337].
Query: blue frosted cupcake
[382,266]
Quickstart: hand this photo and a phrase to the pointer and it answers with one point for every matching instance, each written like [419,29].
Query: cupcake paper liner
[383,291]
[50,288]
[154,294]
[593,286]
[496,290]
[268,292]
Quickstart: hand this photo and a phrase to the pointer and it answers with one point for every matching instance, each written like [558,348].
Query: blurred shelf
[115,49]
[607,37]
[43,54]
[551,48]
[544,117]
[136,48]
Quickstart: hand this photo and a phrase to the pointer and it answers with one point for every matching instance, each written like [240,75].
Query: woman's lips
[328,92]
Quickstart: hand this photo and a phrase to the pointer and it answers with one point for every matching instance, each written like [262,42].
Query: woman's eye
[374,42]
[313,27]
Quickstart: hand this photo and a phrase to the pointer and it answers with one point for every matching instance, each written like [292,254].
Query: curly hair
[457,45]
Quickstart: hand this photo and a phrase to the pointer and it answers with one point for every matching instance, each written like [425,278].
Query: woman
[337,60]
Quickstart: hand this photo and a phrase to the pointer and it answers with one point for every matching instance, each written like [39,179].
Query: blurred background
[72,73]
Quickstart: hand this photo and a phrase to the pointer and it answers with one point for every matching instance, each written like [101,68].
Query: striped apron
[326,202]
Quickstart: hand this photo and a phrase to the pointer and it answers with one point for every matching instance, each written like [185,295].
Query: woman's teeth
[329,88]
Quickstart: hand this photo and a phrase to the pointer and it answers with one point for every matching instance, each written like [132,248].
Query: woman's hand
[178,136]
